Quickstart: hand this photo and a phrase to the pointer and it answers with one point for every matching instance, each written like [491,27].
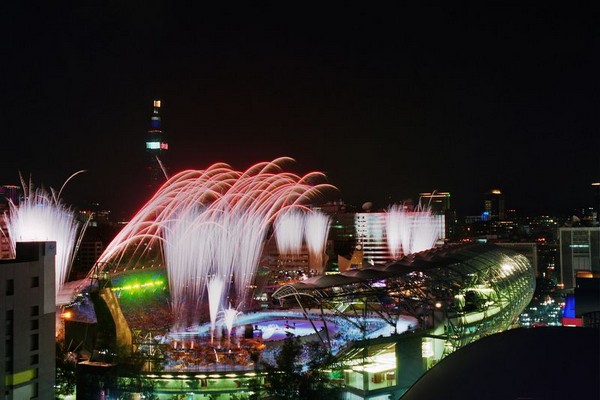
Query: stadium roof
[449,257]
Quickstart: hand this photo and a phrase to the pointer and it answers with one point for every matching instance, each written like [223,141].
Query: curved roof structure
[463,259]
[476,289]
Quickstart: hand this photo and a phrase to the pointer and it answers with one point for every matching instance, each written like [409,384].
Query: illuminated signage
[153,145]
[157,146]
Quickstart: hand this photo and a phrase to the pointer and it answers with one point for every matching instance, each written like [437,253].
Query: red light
[572,322]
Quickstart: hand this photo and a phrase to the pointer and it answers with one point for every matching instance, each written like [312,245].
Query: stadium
[175,303]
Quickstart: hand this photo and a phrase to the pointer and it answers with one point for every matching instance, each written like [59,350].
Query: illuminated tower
[494,205]
[156,147]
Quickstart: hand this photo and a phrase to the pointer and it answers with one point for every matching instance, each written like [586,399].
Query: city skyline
[387,102]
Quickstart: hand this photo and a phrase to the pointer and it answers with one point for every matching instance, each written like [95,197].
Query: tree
[298,373]
[283,379]
[316,382]
[66,379]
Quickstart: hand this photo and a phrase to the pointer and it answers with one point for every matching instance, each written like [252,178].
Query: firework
[211,224]
[42,216]
[410,231]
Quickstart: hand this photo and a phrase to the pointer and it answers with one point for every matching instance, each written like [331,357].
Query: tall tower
[156,147]
[493,205]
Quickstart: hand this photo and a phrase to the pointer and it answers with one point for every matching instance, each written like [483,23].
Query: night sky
[386,101]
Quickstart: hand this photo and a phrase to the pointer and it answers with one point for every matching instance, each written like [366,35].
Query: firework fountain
[229,316]
[425,231]
[289,231]
[209,227]
[316,232]
[41,216]
[410,231]
[216,286]
[292,227]
[397,229]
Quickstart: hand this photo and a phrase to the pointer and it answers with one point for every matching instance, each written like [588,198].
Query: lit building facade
[579,253]
[439,203]
[27,305]
[371,236]
[493,205]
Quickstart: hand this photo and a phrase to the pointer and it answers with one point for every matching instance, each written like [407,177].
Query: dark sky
[387,101]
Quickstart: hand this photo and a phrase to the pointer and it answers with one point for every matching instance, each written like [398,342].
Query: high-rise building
[8,194]
[439,203]
[156,147]
[27,305]
[371,235]
[493,205]
[11,192]
[579,254]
